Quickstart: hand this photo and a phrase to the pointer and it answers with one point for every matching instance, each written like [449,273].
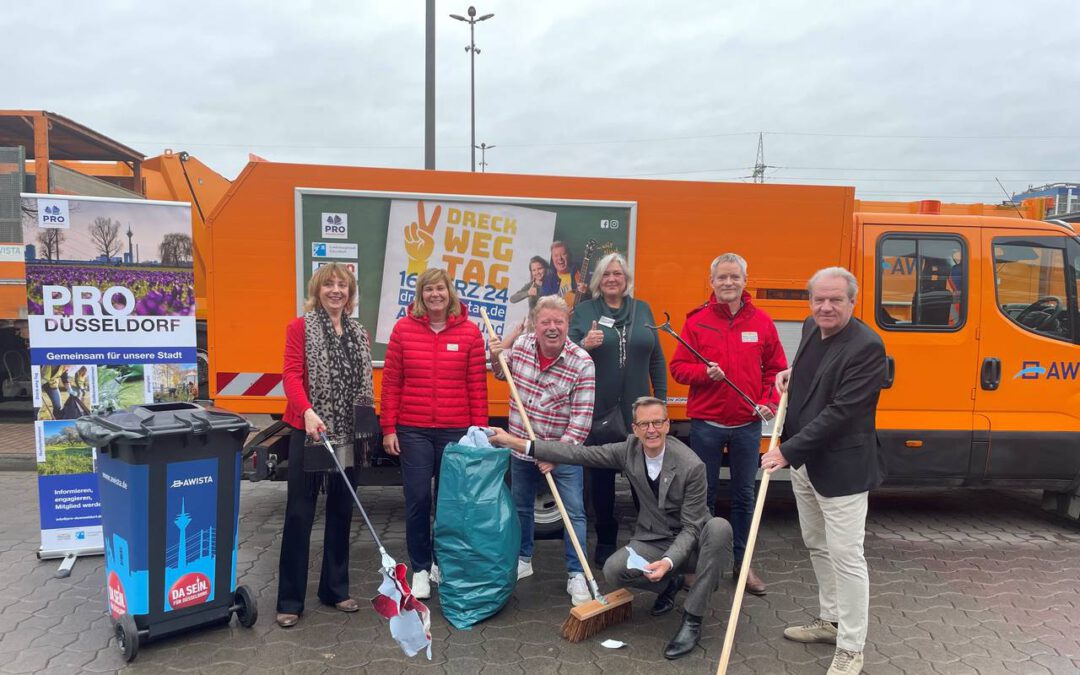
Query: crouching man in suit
[674,529]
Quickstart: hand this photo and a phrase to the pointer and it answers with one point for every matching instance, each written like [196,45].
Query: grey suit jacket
[677,516]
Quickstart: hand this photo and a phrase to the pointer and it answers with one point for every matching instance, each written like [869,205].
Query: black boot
[603,552]
[665,601]
[686,639]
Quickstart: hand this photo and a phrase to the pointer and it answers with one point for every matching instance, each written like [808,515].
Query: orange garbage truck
[978,312]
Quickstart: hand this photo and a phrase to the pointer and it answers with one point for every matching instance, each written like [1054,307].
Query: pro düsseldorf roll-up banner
[111,308]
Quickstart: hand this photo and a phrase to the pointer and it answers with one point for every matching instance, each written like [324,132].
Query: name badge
[749,336]
[451,347]
[606,321]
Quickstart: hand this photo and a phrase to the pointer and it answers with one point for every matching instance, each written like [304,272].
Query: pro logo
[53,214]
[335,226]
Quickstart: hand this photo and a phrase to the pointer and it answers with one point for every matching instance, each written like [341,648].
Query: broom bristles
[594,616]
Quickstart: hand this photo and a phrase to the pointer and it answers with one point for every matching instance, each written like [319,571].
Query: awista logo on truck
[1055,370]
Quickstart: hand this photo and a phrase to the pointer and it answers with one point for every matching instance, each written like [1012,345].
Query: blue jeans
[421,455]
[744,457]
[524,480]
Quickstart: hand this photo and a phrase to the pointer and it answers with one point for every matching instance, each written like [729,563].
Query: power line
[921,169]
[1041,137]
[648,139]
[887,180]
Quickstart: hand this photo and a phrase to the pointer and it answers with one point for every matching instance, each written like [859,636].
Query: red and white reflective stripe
[250,384]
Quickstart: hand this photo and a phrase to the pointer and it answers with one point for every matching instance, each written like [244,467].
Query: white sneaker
[524,569]
[421,585]
[578,589]
[436,575]
[846,662]
[818,630]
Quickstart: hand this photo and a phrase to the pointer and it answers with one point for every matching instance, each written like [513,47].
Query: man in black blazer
[830,441]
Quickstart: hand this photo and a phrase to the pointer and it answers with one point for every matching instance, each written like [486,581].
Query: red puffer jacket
[434,380]
[745,346]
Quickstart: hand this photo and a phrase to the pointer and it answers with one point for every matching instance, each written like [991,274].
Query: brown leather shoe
[754,585]
[348,605]
[287,620]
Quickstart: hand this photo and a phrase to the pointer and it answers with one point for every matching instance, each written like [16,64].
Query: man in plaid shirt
[556,381]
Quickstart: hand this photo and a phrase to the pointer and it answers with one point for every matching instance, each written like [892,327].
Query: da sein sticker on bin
[191,533]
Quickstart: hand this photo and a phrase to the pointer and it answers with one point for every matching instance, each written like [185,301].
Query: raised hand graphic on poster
[420,239]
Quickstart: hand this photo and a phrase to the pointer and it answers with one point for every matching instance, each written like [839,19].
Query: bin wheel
[247,611]
[127,637]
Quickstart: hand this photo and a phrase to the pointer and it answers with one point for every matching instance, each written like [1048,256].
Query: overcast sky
[903,100]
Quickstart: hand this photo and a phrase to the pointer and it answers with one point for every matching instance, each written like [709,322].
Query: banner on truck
[111,308]
[501,252]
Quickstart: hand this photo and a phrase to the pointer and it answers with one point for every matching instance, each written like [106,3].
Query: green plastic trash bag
[477,534]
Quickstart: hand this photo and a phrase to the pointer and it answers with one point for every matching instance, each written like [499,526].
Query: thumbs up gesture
[594,338]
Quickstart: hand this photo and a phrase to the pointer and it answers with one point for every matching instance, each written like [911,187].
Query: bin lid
[142,422]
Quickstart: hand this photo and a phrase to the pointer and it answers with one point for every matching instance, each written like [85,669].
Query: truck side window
[1033,286]
[922,282]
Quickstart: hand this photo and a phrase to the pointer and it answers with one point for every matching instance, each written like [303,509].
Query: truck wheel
[547,522]
[247,611]
[127,637]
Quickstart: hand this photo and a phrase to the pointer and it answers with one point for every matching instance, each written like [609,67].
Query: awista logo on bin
[188,482]
[191,589]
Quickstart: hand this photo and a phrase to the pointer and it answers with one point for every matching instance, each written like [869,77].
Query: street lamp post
[483,147]
[473,51]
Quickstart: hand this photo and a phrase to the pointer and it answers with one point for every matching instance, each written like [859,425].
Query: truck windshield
[1036,281]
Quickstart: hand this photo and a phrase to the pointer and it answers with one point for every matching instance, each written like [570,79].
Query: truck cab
[981,327]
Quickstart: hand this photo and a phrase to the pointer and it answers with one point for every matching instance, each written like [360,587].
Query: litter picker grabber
[751,539]
[666,327]
[410,619]
[602,611]
[388,563]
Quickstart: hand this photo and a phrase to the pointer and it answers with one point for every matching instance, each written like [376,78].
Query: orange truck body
[944,418]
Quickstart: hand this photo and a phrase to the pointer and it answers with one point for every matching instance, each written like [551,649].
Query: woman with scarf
[434,386]
[613,328]
[327,381]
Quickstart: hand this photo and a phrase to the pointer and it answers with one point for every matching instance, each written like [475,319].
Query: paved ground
[16,443]
[962,582]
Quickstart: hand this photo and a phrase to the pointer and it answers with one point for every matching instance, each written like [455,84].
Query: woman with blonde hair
[434,386]
[327,380]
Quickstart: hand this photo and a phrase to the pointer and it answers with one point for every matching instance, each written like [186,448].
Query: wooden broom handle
[740,588]
[532,437]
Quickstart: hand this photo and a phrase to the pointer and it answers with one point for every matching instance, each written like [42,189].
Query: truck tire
[547,521]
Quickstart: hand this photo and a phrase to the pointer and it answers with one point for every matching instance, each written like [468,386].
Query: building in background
[1062,200]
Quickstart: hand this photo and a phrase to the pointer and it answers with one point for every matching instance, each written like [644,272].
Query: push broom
[751,538]
[591,617]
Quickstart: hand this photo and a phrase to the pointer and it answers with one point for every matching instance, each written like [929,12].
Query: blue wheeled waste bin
[169,477]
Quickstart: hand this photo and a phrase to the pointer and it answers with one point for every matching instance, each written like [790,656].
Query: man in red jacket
[743,347]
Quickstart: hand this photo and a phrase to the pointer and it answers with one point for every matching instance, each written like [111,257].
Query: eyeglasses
[651,424]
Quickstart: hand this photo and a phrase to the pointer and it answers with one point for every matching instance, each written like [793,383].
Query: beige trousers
[833,529]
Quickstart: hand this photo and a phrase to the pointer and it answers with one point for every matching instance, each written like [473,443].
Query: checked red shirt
[558,399]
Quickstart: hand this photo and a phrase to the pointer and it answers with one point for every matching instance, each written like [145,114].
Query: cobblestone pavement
[961,582]
[17,446]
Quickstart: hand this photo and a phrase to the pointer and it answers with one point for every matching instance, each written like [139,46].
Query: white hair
[601,267]
[728,258]
[852,284]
